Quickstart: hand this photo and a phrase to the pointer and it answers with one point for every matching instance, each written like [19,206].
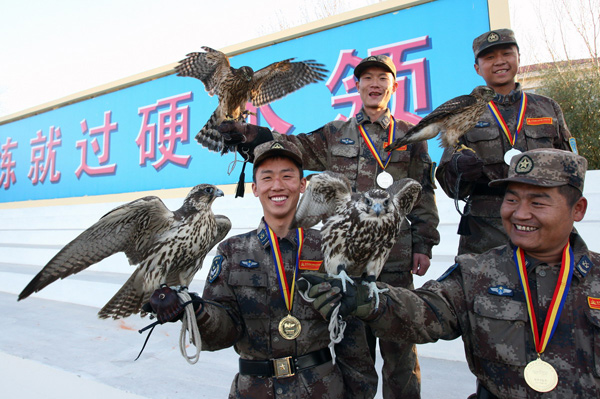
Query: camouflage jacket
[244,306]
[481,299]
[339,147]
[544,127]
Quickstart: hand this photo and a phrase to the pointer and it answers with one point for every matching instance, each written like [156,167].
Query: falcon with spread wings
[359,230]
[453,119]
[168,247]
[235,87]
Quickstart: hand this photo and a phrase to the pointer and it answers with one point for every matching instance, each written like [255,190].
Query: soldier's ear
[477,69]
[579,209]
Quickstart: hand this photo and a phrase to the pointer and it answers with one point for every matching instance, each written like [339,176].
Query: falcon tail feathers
[209,136]
[125,302]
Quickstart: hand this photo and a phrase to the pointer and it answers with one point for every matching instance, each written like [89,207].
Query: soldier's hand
[468,165]
[326,294]
[166,305]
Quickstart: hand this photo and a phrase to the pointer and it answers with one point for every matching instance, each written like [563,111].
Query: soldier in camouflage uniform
[483,297]
[243,303]
[543,126]
[339,146]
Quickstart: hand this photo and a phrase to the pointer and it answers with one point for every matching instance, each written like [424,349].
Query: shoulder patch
[347,141]
[215,268]
[447,272]
[573,145]
[481,124]
[500,290]
[249,263]
[584,266]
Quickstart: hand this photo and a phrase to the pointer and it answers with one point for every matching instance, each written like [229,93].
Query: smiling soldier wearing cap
[249,300]
[354,148]
[528,311]
[514,122]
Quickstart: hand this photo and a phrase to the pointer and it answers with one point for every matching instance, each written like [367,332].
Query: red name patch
[594,302]
[313,265]
[539,121]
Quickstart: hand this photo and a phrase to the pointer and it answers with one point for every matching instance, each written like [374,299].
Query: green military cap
[274,147]
[493,38]
[546,167]
[381,61]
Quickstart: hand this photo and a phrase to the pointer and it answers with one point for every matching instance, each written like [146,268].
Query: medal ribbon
[286,292]
[512,139]
[558,300]
[371,146]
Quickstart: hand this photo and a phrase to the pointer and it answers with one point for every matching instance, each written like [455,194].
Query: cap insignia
[524,166]
[493,37]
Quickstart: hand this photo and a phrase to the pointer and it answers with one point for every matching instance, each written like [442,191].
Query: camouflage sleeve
[562,139]
[354,359]
[435,311]
[313,146]
[219,322]
[447,175]
[424,217]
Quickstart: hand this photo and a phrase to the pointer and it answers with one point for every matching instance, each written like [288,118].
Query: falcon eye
[386,202]
[209,190]
[368,201]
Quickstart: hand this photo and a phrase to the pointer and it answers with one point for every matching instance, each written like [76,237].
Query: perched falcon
[235,87]
[359,230]
[167,246]
[453,119]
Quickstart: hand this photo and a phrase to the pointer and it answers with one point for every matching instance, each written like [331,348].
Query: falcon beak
[219,193]
[377,208]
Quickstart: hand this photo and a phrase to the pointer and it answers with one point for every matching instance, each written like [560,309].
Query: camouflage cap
[546,167]
[280,148]
[493,38]
[381,61]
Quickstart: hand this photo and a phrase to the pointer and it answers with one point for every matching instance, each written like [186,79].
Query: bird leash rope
[188,323]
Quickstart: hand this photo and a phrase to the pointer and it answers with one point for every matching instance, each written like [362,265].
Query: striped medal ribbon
[539,374]
[512,138]
[384,179]
[289,326]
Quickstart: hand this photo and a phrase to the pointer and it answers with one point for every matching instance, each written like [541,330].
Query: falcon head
[375,203]
[245,73]
[484,93]
[200,196]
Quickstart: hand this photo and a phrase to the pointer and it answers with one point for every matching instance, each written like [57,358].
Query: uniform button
[279,391]
[275,339]
[542,273]
[519,324]
[274,289]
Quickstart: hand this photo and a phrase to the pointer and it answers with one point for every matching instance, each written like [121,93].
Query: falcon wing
[406,193]
[325,192]
[449,108]
[223,227]
[282,78]
[210,67]
[129,228]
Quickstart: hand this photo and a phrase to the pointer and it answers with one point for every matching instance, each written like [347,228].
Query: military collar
[583,263]
[263,235]
[510,98]
[383,121]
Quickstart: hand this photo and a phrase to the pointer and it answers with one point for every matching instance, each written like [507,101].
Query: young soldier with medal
[528,312]
[514,122]
[354,148]
[250,300]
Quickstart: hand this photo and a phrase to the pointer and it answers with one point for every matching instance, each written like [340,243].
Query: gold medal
[289,327]
[541,376]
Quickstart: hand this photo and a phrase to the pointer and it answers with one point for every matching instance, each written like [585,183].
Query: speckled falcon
[359,230]
[235,87]
[168,247]
[452,119]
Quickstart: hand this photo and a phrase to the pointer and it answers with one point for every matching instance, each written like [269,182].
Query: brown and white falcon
[359,230]
[168,247]
[452,119]
[235,87]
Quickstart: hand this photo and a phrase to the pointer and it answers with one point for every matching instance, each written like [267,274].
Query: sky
[54,49]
